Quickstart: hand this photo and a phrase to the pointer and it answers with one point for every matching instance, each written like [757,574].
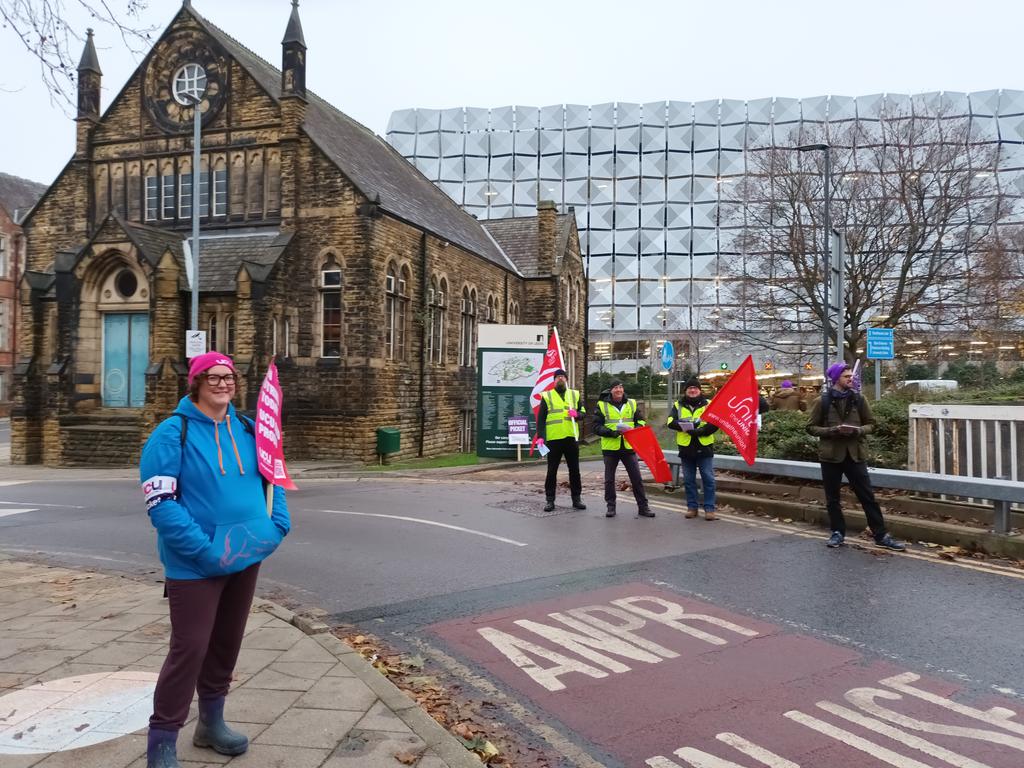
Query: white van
[927,385]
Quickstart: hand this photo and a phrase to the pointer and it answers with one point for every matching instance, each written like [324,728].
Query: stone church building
[319,245]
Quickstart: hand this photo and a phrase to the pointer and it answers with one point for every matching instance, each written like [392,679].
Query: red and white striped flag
[546,377]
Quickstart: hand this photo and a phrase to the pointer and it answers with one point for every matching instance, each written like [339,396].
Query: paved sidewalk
[79,654]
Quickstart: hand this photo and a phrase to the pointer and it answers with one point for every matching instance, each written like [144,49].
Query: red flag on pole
[734,410]
[546,377]
[645,443]
[269,447]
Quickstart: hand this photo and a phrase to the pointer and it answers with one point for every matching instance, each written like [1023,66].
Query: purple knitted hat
[836,370]
[787,384]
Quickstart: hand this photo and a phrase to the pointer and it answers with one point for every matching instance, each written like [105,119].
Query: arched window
[467,330]
[273,335]
[396,311]
[286,337]
[229,335]
[568,299]
[436,296]
[330,311]
[211,333]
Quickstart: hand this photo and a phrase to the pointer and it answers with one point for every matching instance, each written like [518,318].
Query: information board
[881,344]
[509,357]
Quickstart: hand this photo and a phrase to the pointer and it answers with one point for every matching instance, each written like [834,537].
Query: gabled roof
[18,194]
[519,238]
[369,162]
[221,254]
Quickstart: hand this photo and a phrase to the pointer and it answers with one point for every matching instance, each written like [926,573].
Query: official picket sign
[519,430]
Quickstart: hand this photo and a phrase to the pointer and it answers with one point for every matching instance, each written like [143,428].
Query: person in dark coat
[841,420]
[787,398]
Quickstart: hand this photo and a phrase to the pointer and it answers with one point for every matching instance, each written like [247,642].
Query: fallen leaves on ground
[460,715]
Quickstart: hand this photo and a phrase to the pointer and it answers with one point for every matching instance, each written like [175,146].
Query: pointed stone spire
[89,77]
[293,34]
[90,61]
[293,57]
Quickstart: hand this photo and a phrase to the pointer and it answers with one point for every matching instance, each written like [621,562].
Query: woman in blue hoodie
[206,499]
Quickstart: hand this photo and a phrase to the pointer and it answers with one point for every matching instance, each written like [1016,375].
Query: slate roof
[518,238]
[221,254]
[371,163]
[18,194]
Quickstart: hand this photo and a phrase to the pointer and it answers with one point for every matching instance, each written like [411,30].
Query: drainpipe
[423,342]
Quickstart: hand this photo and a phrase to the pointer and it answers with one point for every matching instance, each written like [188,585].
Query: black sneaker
[577,503]
[610,512]
[888,542]
[835,540]
[550,506]
[645,512]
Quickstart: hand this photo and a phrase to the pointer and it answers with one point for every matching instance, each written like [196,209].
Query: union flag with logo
[734,410]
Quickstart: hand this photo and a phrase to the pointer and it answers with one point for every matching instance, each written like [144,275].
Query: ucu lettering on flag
[159,488]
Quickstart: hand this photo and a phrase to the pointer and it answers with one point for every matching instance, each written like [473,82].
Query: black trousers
[857,473]
[632,465]
[570,449]
[207,623]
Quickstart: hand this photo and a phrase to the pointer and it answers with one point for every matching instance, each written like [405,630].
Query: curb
[437,738]
[901,526]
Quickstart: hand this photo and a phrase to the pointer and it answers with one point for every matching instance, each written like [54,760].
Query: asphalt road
[629,642]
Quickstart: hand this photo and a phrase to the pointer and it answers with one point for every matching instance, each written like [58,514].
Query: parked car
[926,385]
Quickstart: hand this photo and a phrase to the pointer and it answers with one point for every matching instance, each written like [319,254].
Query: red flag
[546,377]
[734,410]
[645,443]
[269,448]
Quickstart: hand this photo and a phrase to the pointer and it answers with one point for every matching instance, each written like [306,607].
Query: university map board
[509,357]
[881,344]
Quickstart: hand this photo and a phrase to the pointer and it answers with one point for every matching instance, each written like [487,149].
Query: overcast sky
[369,58]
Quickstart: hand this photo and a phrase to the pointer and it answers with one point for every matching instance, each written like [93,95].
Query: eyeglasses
[214,379]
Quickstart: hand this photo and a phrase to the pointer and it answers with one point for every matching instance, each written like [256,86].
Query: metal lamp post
[827,253]
[197,119]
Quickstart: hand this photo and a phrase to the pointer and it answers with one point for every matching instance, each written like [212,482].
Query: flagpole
[561,356]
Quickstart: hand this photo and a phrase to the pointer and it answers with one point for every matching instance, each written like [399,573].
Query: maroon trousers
[207,623]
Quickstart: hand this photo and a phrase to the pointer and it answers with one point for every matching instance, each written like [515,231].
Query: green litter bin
[389,440]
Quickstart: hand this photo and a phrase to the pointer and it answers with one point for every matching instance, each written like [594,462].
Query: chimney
[547,236]
[89,75]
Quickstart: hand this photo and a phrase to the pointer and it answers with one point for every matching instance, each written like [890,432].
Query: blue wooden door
[125,358]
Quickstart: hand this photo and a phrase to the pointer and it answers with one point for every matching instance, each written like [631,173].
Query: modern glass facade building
[653,186]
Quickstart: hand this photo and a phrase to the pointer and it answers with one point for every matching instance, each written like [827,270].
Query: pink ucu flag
[159,488]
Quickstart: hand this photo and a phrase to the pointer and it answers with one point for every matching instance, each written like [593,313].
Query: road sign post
[881,345]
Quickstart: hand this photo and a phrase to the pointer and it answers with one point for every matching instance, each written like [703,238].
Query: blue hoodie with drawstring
[206,498]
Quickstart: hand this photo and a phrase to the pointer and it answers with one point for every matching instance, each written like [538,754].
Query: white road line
[4,483]
[459,528]
[16,511]
[60,506]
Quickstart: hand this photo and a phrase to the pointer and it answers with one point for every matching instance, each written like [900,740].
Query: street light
[189,86]
[827,253]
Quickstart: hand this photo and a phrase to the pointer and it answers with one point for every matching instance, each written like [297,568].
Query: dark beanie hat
[615,383]
[693,381]
[560,372]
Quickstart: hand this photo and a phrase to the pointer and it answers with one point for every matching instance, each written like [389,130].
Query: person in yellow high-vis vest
[696,442]
[558,427]
[616,414]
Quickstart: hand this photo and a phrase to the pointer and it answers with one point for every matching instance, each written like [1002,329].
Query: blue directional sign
[881,345]
[668,355]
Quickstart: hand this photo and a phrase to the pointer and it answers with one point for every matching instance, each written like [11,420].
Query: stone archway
[114,330]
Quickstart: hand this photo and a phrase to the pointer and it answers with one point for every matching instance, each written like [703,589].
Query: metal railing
[967,440]
[1001,494]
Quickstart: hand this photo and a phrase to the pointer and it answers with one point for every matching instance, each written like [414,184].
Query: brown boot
[710,515]
[690,514]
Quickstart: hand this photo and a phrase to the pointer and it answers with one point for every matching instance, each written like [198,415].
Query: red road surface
[775,698]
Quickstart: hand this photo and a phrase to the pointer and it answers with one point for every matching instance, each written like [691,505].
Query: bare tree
[914,198]
[42,28]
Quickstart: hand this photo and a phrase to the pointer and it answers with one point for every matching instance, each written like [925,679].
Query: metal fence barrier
[1001,493]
